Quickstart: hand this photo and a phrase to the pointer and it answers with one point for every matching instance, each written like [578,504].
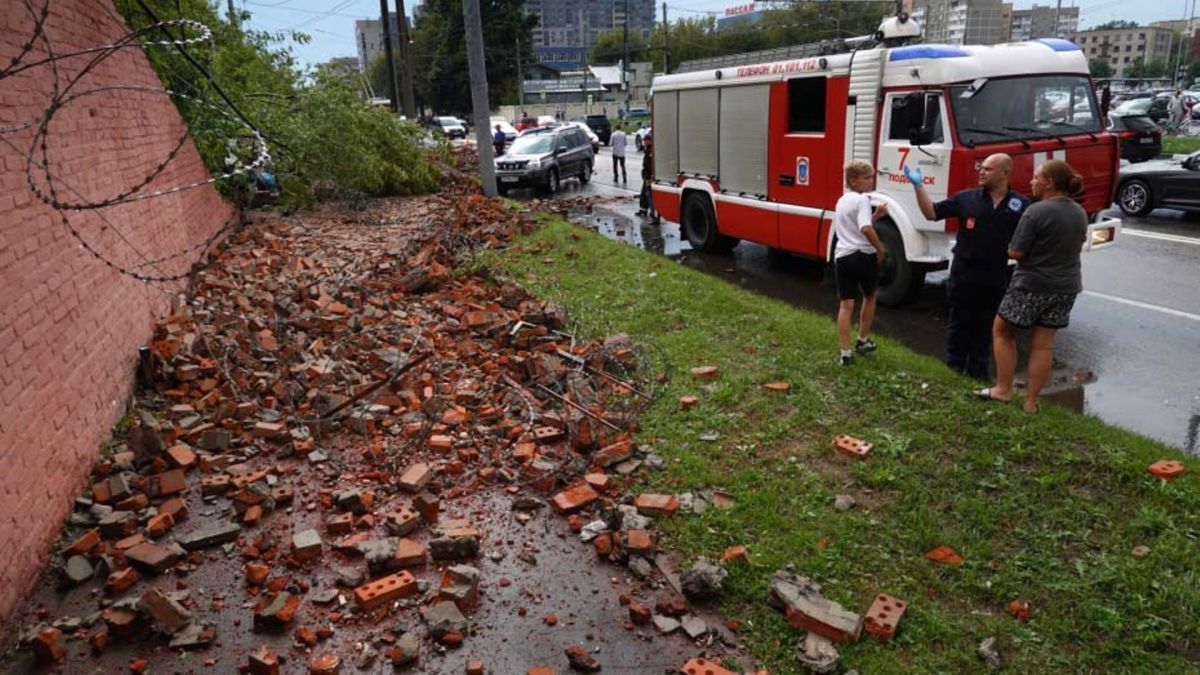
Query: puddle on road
[919,325]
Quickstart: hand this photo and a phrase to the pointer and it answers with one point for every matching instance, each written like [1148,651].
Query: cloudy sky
[330,23]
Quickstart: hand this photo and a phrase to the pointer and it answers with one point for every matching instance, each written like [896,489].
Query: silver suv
[543,158]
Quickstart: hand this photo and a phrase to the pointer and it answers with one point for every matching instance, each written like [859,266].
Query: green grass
[1180,145]
[1046,508]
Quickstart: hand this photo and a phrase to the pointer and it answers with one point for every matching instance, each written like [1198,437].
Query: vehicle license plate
[1147,141]
[508,179]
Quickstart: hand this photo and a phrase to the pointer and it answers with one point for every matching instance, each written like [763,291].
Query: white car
[449,127]
[639,139]
[590,134]
[547,121]
[510,132]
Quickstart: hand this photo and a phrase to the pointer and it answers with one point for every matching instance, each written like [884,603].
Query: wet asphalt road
[1130,357]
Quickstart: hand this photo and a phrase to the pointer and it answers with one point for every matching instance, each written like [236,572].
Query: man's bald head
[995,171]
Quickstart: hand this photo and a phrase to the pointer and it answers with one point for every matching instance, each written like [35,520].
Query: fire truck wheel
[699,222]
[1134,198]
[899,279]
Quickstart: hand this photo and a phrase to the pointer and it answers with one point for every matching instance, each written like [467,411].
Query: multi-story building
[1125,47]
[1040,22]
[568,28]
[961,22]
[368,34]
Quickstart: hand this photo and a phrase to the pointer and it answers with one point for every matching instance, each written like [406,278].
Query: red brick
[121,580]
[1166,469]
[174,507]
[688,402]
[706,372]
[48,646]
[574,499]
[703,667]
[474,667]
[613,454]
[159,525]
[252,515]
[341,523]
[852,447]
[270,430]
[256,574]
[264,662]
[599,481]
[171,482]
[656,505]
[639,541]
[409,553]
[734,554]
[884,616]
[777,387]
[639,614]
[1019,609]
[386,590]
[181,457]
[85,543]
[945,554]
[540,671]
[415,477]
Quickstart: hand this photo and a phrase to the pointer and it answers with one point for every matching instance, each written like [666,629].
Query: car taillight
[1127,134]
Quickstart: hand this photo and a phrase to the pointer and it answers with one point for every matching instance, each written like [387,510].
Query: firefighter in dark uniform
[979,274]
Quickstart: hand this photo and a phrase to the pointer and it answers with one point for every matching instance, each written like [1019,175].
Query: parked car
[600,124]
[510,132]
[464,123]
[526,123]
[542,159]
[449,127]
[1162,183]
[639,138]
[592,137]
[1141,138]
[637,114]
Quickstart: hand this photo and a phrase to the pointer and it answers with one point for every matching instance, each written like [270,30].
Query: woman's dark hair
[1063,177]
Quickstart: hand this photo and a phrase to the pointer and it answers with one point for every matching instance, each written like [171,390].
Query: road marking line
[1178,239]
[1144,305]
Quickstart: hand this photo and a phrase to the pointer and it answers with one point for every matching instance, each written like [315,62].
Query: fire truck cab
[757,151]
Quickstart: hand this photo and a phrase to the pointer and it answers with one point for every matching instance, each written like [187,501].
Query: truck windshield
[1025,108]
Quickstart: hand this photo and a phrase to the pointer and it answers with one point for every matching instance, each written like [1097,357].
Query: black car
[1141,138]
[1161,183]
[543,158]
[600,125]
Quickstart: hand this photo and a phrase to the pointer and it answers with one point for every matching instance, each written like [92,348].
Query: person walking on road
[498,141]
[1046,246]
[1175,110]
[979,274]
[617,143]
[646,198]
[857,258]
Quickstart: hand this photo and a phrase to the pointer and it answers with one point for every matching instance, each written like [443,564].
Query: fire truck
[755,151]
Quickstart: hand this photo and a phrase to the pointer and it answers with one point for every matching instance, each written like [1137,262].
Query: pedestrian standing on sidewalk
[1047,280]
[979,273]
[857,258]
[617,143]
[498,141]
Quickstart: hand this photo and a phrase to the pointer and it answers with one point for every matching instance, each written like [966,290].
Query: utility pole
[1057,11]
[520,76]
[387,50]
[479,95]
[406,71]
[232,14]
[666,42]
[625,59]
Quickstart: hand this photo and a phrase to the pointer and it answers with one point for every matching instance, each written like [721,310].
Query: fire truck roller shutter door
[666,136]
[698,117]
[742,210]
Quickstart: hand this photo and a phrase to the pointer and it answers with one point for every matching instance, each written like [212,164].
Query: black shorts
[857,273]
[1024,308]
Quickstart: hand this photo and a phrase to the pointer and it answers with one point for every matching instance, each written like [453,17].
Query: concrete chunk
[213,535]
[801,599]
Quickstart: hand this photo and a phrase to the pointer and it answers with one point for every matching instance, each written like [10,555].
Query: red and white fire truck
[755,152]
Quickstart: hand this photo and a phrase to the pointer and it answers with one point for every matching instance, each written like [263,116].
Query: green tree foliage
[1157,68]
[442,78]
[697,37]
[1100,69]
[324,139]
[1115,25]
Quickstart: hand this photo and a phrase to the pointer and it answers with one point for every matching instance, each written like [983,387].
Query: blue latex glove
[913,175]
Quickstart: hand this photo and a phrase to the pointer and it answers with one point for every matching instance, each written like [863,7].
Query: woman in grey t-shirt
[1046,246]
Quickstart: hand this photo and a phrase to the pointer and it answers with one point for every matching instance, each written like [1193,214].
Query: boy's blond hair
[857,168]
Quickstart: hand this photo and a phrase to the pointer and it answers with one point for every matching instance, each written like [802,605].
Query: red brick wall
[70,326]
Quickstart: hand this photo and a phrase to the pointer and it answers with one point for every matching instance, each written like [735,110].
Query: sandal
[986,395]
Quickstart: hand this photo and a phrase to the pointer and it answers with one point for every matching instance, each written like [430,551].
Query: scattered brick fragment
[688,402]
[703,667]
[705,372]
[1166,469]
[386,590]
[656,505]
[1020,609]
[884,616]
[945,554]
[852,447]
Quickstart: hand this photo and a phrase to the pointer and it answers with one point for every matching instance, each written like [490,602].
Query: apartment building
[1040,22]
[961,22]
[567,28]
[1125,47]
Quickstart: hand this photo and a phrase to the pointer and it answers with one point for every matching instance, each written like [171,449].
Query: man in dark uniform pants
[979,274]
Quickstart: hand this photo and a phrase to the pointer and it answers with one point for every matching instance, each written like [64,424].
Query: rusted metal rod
[580,408]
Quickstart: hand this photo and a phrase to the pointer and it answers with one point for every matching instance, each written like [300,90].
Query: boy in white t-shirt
[857,258]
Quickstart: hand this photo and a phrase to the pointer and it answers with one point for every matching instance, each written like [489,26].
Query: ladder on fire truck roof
[822,48]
